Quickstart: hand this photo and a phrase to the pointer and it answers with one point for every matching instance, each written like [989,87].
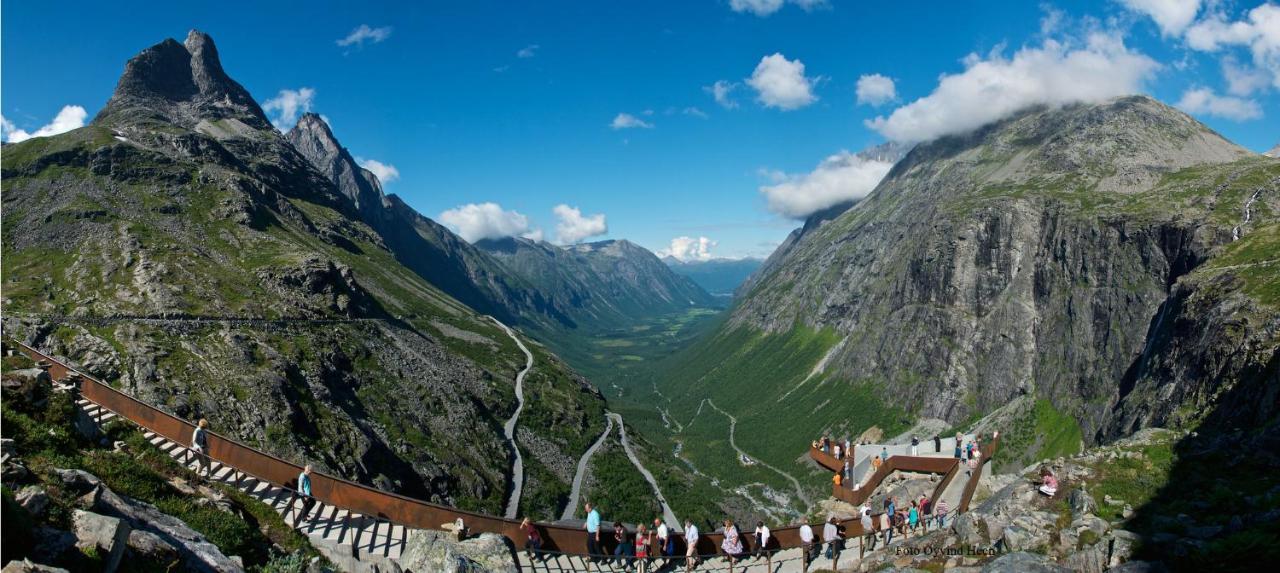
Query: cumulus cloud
[876,89]
[573,227]
[363,33]
[996,86]
[781,83]
[689,249]
[1172,16]
[1203,101]
[722,91]
[476,221]
[840,178]
[528,51]
[69,117]
[284,109]
[1243,79]
[386,172]
[1259,31]
[628,121]
[764,8]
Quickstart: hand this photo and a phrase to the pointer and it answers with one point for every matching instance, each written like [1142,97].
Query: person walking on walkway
[913,517]
[304,492]
[937,444]
[884,454]
[532,539]
[666,543]
[200,445]
[831,538]
[593,532]
[837,479]
[762,538]
[940,512]
[915,446]
[623,551]
[926,509]
[868,528]
[641,550]
[886,527]
[875,463]
[839,453]
[691,545]
[732,543]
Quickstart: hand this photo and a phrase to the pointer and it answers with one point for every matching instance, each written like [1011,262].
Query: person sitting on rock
[1049,485]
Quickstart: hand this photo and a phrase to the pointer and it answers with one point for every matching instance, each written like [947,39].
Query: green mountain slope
[181,247]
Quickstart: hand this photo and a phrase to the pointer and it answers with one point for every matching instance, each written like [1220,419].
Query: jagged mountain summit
[1089,269]
[1273,152]
[180,247]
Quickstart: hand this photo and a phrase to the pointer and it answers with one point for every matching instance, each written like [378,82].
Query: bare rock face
[109,536]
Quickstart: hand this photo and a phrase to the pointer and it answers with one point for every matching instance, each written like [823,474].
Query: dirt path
[733,423]
[668,516]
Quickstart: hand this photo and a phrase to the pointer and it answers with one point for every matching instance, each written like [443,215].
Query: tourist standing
[666,543]
[937,444]
[886,527]
[762,538]
[837,479]
[806,538]
[875,463]
[884,453]
[915,446]
[868,528]
[623,551]
[304,492]
[641,550]
[831,538]
[533,539]
[732,543]
[593,532]
[200,445]
[691,545]
[913,517]
[926,507]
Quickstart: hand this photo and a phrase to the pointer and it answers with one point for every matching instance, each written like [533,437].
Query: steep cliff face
[1035,256]
[182,248]
[419,243]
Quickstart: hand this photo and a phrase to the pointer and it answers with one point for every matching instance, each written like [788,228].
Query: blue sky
[519,103]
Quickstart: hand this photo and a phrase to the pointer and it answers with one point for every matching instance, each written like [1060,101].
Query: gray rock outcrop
[437,552]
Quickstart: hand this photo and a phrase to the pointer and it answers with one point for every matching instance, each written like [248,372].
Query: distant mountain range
[720,277]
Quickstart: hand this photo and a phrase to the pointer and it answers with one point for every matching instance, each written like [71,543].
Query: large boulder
[198,553]
[153,549]
[108,536]
[437,552]
[1023,562]
[26,566]
[1082,503]
[78,482]
[34,499]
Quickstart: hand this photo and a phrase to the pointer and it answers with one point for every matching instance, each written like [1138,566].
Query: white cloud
[69,117]
[1243,79]
[476,221]
[1259,31]
[689,249]
[764,8]
[1172,16]
[875,89]
[1203,101]
[722,91]
[528,51]
[287,106]
[840,178]
[781,83]
[996,86]
[628,121]
[573,227]
[695,112]
[385,172]
[364,33]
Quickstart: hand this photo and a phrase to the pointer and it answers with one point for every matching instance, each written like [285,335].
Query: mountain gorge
[1074,274]
[183,248]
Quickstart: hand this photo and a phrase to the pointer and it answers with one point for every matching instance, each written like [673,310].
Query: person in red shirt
[533,539]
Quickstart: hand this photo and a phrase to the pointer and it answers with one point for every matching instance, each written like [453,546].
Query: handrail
[988,451]
[366,500]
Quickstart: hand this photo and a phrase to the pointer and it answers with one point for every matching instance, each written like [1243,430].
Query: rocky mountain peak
[1274,152]
[184,84]
[312,138]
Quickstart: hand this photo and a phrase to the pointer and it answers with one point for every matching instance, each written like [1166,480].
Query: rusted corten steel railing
[366,500]
[988,450]
[845,492]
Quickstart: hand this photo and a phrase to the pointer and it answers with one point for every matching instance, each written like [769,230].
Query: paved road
[517,468]
[733,423]
[572,506]
[668,516]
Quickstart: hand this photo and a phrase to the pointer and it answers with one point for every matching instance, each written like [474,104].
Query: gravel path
[669,516]
[570,507]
